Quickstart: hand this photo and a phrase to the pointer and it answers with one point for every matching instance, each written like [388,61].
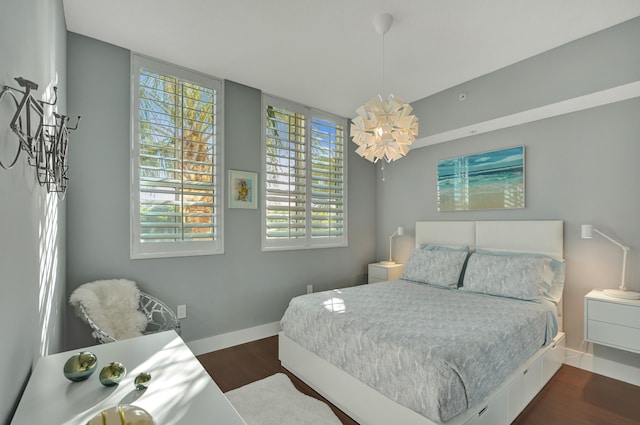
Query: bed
[424,350]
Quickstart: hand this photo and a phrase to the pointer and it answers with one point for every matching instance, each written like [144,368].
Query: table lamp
[399,232]
[587,233]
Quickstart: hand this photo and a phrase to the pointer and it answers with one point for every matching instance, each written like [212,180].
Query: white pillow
[553,287]
[441,267]
[521,277]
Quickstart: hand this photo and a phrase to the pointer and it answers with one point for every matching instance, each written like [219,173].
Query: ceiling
[326,53]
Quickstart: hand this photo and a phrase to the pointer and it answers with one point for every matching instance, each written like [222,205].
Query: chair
[117,309]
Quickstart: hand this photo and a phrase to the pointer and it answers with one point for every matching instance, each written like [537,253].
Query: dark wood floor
[572,397]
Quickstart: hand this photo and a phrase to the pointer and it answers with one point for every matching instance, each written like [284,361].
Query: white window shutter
[285,174]
[327,179]
[304,177]
[176,178]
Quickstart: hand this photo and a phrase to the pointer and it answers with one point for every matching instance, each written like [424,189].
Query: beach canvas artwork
[488,180]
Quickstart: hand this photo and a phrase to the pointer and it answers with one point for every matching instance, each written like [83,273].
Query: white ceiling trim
[580,103]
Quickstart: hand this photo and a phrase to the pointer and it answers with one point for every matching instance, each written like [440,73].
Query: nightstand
[612,321]
[381,272]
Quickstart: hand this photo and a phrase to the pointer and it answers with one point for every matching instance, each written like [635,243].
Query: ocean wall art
[489,180]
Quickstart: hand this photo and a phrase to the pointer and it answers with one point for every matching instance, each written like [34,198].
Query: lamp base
[619,293]
[387,262]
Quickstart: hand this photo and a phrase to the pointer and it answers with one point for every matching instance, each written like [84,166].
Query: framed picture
[488,180]
[243,189]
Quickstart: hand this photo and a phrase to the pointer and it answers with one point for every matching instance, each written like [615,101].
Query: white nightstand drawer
[626,315]
[381,272]
[378,272]
[612,321]
[617,336]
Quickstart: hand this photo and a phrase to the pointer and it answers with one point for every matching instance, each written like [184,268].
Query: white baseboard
[579,359]
[601,366]
[218,342]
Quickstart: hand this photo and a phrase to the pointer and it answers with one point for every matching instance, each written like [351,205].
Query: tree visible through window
[175,164]
[304,177]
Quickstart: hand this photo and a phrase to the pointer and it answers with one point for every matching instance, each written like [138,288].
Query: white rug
[275,401]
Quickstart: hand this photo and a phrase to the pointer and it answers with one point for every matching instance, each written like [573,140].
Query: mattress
[433,350]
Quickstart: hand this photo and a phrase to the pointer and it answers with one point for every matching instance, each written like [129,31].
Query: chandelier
[384,128]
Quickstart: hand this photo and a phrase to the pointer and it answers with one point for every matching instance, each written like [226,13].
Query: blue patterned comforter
[436,351]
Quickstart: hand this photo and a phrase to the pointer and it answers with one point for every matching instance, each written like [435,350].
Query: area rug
[275,401]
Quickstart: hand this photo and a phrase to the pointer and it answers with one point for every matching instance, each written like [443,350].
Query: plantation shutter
[327,179]
[285,174]
[304,177]
[176,170]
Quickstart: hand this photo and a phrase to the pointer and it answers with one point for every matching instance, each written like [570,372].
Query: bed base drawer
[553,359]
[510,401]
[493,413]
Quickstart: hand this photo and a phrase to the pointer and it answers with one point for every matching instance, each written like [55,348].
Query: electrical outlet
[182,311]
[309,289]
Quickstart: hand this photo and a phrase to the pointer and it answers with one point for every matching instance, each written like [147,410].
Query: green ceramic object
[142,381]
[112,374]
[80,366]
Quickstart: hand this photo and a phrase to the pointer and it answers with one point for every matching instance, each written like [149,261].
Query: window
[176,161]
[304,177]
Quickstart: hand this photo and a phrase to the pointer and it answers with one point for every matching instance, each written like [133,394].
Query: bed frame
[368,407]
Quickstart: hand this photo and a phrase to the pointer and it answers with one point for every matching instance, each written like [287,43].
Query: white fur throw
[113,306]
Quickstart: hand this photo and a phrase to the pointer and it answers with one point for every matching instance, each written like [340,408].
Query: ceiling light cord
[382,67]
[382,23]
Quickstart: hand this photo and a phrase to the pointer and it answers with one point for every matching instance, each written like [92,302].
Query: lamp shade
[586,231]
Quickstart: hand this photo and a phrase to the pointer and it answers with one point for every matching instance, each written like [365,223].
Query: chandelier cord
[382,67]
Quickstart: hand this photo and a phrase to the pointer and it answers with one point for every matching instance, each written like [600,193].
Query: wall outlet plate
[182,311]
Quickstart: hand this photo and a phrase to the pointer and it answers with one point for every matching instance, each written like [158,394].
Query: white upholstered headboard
[533,236]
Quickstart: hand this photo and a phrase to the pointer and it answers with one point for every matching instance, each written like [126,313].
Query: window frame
[308,242]
[139,250]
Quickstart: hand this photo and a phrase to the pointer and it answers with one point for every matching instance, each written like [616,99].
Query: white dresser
[614,322]
[181,391]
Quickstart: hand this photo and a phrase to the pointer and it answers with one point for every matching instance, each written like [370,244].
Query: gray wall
[580,167]
[240,289]
[32,245]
